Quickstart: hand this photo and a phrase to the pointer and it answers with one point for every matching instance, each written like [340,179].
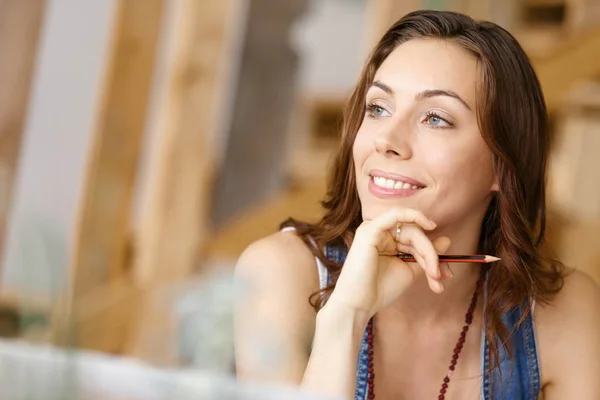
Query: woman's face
[419,145]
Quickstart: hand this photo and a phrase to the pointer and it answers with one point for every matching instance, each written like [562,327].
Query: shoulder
[278,269]
[283,255]
[569,336]
[274,278]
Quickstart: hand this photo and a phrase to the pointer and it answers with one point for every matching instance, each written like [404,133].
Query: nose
[393,140]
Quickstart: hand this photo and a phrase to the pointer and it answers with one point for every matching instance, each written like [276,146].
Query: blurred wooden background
[141,139]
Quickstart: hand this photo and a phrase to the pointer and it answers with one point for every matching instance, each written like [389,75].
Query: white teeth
[379,181]
[391,184]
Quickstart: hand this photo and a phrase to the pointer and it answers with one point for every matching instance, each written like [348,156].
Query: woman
[444,150]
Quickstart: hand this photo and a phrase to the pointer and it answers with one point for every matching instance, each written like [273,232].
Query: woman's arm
[569,341]
[275,324]
[332,366]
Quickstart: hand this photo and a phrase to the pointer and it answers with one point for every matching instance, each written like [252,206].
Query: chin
[373,211]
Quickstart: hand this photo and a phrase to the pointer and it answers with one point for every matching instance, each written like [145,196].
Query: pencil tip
[492,259]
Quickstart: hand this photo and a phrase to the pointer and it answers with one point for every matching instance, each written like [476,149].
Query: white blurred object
[30,372]
[204,315]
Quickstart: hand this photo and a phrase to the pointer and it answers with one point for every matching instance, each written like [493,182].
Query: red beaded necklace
[455,355]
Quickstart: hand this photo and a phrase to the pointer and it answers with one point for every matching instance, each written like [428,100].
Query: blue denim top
[519,381]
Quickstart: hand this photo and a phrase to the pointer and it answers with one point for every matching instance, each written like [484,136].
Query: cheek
[361,149]
[467,167]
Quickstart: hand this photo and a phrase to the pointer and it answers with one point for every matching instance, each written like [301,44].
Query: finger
[389,220]
[442,244]
[423,246]
[416,238]
[434,283]
[378,231]
[446,271]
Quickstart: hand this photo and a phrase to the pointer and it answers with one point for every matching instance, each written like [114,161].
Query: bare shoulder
[568,333]
[282,256]
[273,320]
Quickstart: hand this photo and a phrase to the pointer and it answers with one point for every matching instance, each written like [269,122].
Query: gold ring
[398,231]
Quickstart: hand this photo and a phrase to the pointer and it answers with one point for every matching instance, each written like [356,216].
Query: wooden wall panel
[174,210]
[103,237]
[174,215]
[572,62]
[302,203]
[20,26]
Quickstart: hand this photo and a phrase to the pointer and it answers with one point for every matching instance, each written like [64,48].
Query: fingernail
[449,271]
[439,285]
[433,223]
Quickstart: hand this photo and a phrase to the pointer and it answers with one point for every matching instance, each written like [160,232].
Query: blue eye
[435,121]
[375,111]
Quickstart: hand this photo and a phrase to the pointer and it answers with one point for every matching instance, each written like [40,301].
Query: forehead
[421,64]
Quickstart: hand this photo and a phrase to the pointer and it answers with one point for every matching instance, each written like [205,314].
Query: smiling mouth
[393,184]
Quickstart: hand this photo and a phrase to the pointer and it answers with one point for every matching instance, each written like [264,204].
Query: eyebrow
[425,94]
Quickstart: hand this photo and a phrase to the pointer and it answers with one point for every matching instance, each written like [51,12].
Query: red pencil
[453,258]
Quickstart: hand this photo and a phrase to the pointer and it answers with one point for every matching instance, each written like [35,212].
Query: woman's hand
[373,277]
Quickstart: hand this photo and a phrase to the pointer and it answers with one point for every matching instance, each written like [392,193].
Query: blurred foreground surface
[30,372]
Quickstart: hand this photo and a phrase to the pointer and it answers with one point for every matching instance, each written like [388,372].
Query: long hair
[513,121]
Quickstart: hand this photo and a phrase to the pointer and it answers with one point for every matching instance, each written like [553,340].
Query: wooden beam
[175,207]
[102,239]
[99,320]
[581,14]
[174,210]
[20,25]
[573,62]
[301,202]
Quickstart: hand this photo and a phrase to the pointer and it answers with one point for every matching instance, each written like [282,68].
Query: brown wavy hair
[513,121]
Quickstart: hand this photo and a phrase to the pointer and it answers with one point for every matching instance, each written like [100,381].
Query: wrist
[340,316]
